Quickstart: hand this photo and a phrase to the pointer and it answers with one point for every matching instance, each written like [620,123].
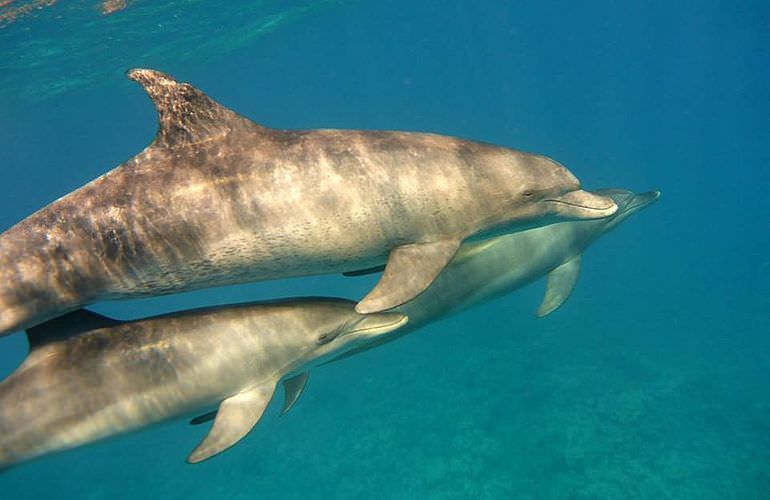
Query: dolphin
[88,377]
[217,199]
[487,269]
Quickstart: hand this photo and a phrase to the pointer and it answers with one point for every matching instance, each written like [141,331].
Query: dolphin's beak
[641,200]
[628,201]
[580,204]
[372,325]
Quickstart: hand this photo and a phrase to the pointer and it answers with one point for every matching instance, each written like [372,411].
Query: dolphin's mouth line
[399,322]
[632,205]
[577,205]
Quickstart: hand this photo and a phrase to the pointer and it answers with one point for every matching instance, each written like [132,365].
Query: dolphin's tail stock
[6,326]
[18,299]
[23,305]
[17,295]
[35,284]
[12,314]
[13,317]
[18,313]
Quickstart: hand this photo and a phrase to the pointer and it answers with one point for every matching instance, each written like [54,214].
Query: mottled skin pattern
[128,375]
[217,199]
[487,269]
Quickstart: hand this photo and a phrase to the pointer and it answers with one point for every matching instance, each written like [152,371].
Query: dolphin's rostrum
[217,199]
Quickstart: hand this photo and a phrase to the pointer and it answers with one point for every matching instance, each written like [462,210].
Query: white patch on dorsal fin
[68,325]
[185,114]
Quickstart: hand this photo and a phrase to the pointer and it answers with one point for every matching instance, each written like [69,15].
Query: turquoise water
[650,382]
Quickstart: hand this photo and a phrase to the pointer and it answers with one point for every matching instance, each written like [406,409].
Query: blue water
[650,382]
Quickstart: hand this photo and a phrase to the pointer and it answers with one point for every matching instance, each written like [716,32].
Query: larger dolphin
[89,377]
[217,199]
[487,269]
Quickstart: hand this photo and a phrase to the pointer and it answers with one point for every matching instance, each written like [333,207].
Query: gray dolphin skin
[484,270]
[89,377]
[217,199]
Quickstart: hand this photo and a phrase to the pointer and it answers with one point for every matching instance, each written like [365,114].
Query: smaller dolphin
[487,269]
[89,377]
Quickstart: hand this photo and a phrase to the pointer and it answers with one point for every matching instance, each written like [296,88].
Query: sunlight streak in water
[50,47]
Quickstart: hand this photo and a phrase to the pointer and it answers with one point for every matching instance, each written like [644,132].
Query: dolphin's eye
[528,193]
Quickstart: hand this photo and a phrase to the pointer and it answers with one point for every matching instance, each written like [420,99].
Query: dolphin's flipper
[186,115]
[409,271]
[292,389]
[364,272]
[202,419]
[561,281]
[235,418]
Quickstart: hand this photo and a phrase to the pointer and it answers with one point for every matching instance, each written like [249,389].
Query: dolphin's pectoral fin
[409,271]
[364,272]
[202,419]
[292,390]
[185,114]
[561,281]
[235,418]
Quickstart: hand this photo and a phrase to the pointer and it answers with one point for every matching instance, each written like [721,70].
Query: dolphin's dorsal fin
[186,115]
[73,323]
[560,283]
